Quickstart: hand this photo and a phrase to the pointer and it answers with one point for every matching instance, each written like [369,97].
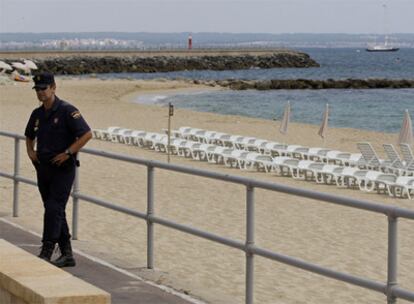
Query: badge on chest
[36,125]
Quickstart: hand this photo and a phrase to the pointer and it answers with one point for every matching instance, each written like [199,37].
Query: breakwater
[309,84]
[64,64]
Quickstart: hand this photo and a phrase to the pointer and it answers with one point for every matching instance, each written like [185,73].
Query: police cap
[42,80]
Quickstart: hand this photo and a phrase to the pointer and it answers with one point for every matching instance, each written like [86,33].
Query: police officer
[58,131]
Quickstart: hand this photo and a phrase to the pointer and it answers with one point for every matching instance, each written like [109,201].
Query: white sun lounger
[150,140]
[408,156]
[304,167]
[285,165]
[259,161]
[182,132]
[233,157]
[402,187]
[236,141]
[193,134]
[367,180]
[200,152]
[207,137]
[251,160]
[295,151]
[246,142]
[122,134]
[117,135]
[182,147]
[223,139]
[274,149]
[256,144]
[190,149]
[316,153]
[324,173]
[396,163]
[106,134]
[370,157]
[215,154]
[98,133]
[342,158]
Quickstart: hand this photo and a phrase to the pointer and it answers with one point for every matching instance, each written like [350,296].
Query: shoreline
[158,98]
[155,97]
[349,240]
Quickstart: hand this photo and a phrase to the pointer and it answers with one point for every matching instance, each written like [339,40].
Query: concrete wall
[26,279]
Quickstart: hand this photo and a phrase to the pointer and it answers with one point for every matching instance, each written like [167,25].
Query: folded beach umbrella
[406,133]
[285,119]
[324,125]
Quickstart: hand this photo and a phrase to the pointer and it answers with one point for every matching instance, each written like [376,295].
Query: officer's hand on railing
[33,156]
[60,159]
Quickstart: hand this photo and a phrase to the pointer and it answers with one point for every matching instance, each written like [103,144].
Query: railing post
[75,202]
[249,242]
[392,258]
[150,212]
[15,175]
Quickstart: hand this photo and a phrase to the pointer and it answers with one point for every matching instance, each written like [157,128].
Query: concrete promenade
[124,289]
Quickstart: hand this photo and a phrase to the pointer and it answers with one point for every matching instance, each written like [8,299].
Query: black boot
[47,251]
[66,259]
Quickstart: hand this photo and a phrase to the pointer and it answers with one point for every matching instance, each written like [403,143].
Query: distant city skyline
[229,16]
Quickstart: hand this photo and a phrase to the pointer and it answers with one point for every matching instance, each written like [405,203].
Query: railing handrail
[325,197]
[391,289]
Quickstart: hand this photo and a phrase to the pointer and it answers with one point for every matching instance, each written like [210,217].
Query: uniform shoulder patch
[76,115]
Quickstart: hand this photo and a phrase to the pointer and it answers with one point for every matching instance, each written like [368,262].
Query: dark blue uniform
[55,130]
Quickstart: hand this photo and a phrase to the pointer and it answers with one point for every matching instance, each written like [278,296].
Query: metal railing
[390,288]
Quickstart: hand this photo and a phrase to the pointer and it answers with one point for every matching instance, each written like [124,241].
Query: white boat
[383,47]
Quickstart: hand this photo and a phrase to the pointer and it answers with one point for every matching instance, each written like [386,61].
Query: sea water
[372,109]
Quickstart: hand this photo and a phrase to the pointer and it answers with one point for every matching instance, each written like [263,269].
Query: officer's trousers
[54,185]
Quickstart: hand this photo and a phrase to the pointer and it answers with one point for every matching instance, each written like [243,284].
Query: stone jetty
[151,62]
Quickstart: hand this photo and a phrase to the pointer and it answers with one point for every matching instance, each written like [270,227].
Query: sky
[230,16]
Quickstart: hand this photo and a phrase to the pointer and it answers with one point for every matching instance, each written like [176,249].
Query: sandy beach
[344,239]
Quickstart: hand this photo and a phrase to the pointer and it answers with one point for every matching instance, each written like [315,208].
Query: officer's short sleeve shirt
[56,129]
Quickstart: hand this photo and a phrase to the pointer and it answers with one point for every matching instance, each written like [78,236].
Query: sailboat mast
[385,24]
[386,47]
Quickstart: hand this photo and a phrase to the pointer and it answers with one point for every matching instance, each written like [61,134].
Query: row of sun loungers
[368,158]
[313,164]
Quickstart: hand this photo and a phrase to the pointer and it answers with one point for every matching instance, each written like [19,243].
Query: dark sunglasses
[37,89]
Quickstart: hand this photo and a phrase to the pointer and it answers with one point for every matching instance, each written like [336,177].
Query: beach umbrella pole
[170,114]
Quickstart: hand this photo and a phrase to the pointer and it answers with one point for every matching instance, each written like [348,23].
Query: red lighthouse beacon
[190,42]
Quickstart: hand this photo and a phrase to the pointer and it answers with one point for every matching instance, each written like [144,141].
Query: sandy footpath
[345,239]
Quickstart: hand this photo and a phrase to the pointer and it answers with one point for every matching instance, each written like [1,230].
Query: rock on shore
[298,84]
[86,64]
